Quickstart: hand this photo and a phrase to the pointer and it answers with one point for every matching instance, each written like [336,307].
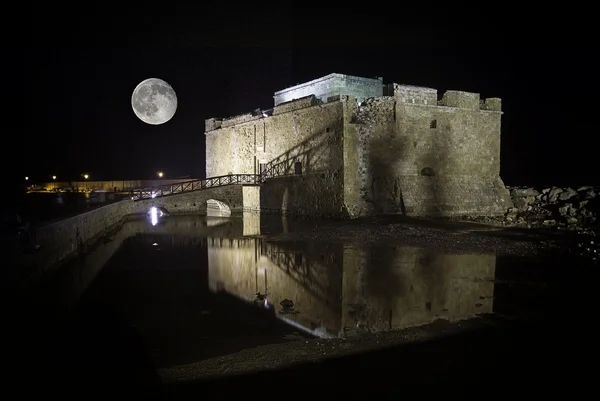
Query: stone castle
[347,146]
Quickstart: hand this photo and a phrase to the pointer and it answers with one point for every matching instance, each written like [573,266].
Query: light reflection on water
[335,290]
[325,289]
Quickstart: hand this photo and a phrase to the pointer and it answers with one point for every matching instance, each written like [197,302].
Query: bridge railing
[187,186]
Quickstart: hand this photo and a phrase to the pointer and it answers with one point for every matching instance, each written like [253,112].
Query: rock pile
[567,209]
[563,208]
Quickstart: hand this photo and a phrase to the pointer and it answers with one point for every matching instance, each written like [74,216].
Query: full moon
[154,101]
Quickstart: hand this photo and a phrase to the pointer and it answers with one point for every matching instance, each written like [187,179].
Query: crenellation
[460,99]
[212,124]
[415,94]
[340,153]
[239,119]
[492,104]
[296,104]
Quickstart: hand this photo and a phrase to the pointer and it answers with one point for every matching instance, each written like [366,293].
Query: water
[190,288]
[38,208]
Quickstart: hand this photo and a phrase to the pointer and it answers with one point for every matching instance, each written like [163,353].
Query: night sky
[75,75]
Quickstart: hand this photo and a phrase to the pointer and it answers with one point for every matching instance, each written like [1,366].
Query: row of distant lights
[86,176]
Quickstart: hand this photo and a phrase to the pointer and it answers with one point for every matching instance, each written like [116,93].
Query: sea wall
[58,241]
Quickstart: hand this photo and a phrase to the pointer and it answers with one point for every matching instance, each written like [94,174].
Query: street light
[85,176]
[160,174]
[54,182]
[26,178]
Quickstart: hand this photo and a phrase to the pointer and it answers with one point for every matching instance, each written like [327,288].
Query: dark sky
[76,72]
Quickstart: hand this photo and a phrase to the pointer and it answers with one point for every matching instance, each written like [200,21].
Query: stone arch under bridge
[215,208]
[221,201]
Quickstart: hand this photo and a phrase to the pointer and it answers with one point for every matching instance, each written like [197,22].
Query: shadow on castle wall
[307,179]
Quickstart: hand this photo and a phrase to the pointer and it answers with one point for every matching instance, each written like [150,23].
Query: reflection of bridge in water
[337,290]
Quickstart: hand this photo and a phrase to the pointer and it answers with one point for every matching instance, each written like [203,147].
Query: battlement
[241,118]
[211,124]
[451,98]
[412,94]
[307,101]
[339,87]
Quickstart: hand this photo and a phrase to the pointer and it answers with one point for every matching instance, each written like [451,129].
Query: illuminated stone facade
[331,154]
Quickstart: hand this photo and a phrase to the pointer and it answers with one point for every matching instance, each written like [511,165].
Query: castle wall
[405,153]
[333,85]
[419,159]
[310,136]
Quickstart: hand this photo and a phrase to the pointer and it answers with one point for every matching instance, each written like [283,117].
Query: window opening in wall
[298,168]
[298,259]
[428,171]
[433,124]
[327,129]
[262,168]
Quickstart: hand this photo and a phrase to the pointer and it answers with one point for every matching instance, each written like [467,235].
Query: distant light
[54,177]
[26,178]
[86,176]
[160,174]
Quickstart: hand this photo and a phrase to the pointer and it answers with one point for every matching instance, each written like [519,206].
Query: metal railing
[172,189]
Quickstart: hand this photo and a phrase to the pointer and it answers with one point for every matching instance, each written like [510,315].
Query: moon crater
[154,101]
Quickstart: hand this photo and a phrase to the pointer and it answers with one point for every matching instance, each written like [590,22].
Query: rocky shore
[555,209]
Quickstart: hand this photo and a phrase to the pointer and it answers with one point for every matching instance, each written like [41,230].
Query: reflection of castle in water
[332,289]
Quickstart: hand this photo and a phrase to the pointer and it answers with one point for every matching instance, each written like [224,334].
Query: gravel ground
[441,235]
[269,357]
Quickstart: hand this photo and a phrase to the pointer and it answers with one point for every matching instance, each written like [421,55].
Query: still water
[45,207]
[186,288]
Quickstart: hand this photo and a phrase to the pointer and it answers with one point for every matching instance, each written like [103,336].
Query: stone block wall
[414,94]
[310,136]
[61,239]
[428,159]
[301,103]
[406,153]
[251,198]
[460,99]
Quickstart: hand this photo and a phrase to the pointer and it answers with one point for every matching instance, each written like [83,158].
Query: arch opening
[428,172]
[215,208]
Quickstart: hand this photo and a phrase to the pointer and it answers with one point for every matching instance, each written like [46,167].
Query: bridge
[215,196]
[195,185]
[221,195]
